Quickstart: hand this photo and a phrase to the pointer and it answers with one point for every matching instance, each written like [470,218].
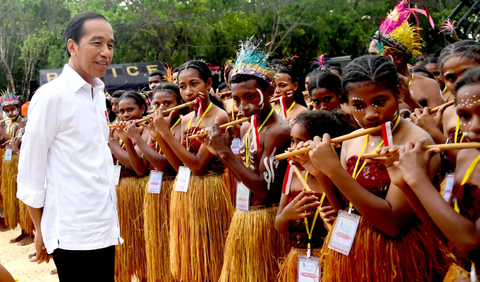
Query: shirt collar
[77,82]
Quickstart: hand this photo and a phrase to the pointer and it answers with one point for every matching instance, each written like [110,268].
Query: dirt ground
[15,259]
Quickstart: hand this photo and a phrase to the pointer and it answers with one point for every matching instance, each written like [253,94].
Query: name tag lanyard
[310,230]
[357,173]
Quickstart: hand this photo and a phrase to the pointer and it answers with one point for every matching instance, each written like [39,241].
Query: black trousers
[85,266]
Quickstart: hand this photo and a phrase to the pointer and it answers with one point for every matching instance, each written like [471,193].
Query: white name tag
[236,146]
[447,192]
[344,232]
[116,174]
[309,269]
[243,197]
[183,179]
[155,182]
[8,154]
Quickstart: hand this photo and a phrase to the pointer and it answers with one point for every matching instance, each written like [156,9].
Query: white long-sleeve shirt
[66,167]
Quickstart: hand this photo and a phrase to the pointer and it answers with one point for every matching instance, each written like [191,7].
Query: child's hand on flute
[161,122]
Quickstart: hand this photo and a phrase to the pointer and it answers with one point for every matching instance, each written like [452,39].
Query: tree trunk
[8,74]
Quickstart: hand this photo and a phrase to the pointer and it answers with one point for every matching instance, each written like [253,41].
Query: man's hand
[41,252]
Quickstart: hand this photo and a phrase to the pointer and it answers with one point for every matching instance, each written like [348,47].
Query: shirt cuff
[32,198]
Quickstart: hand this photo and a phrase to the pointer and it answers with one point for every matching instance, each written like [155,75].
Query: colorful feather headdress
[397,33]
[9,99]
[289,61]
[320,62]
[252,60]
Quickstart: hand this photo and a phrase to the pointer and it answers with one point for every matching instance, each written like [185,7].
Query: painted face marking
[260,104]
[270,165]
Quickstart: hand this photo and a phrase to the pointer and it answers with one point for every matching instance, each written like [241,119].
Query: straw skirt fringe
[414,256]
[231,181]
[199,220]
[456,273]
[9,191]
[289,266]
[130,258]
[253,247]
[26,222]
[156,217]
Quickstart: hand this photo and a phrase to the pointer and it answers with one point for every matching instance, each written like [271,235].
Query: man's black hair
[422,70]
[239,78]
[74,29]
[156,72]
[117,94]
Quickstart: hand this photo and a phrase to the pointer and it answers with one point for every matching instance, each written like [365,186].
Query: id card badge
[8,154]
[344,232]
[447,192]
[155,182]
[309,269]
[236,146]
[116,174]
[183,179]
[243,197]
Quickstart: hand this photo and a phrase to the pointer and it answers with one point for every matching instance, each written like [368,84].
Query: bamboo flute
[442,147]
[436,109]
[339,139]
[166,112]
[223,126]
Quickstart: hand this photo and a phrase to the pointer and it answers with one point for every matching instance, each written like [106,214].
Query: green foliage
[175,31]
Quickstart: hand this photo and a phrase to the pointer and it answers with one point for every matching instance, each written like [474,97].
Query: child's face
[115,106]
[12,111]
[165,98]
[372,105]
[325,100]
[468,109]
[298,134]
[454,67]
[249,97]
[129,110]
[192,85]
[284,86]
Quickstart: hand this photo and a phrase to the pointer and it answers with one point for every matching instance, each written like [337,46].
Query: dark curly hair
[464,48]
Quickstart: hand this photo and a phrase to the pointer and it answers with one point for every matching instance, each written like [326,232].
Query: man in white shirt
[65,173]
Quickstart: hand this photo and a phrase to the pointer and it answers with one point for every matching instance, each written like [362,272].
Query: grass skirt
[415,256]
[130,258]
[289,265]
[231,181]
[456,273]
[253,247]
[9,191]
[156,219]
[2,152]
[26,222]
[199,221]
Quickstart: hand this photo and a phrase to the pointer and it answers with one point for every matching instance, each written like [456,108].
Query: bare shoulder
[186,119]
[278,133]
[466,156]
[410,132]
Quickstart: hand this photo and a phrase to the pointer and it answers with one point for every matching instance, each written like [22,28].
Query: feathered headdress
[169,76]
[320,61]
[449,27]
[289,61]
[9,99]
[252,60]
[396,32]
